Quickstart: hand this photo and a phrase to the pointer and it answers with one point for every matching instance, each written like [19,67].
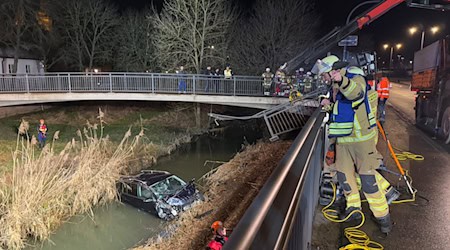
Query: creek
[120,226]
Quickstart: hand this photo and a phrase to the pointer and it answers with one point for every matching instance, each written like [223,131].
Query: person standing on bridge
[353,129]
[182,80]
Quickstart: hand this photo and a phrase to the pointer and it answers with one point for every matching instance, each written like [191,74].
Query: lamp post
[386,46]
[413,30]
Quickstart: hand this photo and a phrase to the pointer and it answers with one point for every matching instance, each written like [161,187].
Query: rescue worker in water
[353,129]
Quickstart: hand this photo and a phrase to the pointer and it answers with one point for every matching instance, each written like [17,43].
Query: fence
[281,215]
[132,82]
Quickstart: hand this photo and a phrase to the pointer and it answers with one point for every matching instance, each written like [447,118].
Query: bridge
[241,91]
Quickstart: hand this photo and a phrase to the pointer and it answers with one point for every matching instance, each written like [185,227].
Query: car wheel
[445,125]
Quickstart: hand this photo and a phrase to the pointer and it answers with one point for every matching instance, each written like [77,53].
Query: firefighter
[220,236]
[383,95]
[353,130]
[267,82]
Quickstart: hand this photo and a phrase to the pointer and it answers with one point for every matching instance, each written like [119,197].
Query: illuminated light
[385,46]
[412,30]
[434,29]
[398,45]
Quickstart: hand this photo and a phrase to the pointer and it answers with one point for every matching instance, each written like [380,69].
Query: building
[27,63]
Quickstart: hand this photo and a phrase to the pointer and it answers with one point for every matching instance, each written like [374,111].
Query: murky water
[120,226]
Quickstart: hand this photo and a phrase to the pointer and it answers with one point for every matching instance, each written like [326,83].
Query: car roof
[148,177]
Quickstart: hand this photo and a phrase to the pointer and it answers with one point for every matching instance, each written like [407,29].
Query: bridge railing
[281,215]
[132,82]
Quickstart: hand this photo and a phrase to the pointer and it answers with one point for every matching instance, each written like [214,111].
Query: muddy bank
[229,191]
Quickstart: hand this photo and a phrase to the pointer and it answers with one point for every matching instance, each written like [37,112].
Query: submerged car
[158,192]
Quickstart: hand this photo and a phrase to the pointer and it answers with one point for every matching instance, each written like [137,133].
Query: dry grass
[230,190]
[46,188]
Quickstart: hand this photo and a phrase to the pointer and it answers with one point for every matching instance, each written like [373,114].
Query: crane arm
[337,34]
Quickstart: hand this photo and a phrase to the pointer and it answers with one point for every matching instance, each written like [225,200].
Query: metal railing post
[27,83]
[59,81]
[110,83]
[70,84]
[153,83]
[193,84]
[234,85]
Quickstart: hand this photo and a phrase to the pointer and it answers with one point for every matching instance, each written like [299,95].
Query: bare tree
[18,18]
[135,50]
[274,33]
[191,32]
[88,27]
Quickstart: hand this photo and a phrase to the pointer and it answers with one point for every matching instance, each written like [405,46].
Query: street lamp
[398,46]
[413,30]
[434,29]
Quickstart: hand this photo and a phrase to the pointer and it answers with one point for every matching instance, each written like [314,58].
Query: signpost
[350,41]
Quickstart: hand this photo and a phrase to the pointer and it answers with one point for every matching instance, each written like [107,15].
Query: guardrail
[281,215]
[132,82]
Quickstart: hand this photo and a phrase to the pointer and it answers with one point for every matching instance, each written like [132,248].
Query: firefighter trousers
[361,158]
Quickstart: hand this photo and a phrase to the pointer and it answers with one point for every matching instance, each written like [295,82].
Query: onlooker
[42,133]
[182,80]
[209,73]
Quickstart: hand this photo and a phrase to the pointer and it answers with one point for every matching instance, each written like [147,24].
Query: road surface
[418,225]
[402,99]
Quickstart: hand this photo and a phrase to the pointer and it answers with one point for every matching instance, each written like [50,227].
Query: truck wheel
[445,125]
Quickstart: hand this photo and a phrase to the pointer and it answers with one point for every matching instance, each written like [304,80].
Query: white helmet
[267,69]
[301,69]
[308,73]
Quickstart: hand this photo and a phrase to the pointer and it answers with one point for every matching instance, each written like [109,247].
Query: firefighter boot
[354,216]
[385,223]
[392,194]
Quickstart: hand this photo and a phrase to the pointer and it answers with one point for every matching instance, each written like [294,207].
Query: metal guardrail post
[153,83]
[193,84]
[234,85]
[27,83]
[70,84]
[110,83]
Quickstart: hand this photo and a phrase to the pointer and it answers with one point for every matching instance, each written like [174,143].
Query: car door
[130,194]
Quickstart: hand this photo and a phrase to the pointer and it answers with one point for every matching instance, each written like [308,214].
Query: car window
[174,183]
[147,193]
[129,188]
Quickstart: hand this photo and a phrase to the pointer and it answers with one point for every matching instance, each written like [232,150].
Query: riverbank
[72,176]
[228,191]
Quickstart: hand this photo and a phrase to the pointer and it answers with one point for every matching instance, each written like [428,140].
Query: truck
[431,82]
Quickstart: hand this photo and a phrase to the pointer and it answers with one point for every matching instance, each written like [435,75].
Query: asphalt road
[420,224]
[403,100]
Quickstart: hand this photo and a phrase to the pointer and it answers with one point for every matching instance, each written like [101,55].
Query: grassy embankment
[229,192]
[39,190]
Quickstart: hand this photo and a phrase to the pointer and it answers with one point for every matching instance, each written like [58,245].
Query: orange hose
[397,162]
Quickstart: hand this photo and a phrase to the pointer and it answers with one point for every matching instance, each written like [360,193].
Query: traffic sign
[350,41]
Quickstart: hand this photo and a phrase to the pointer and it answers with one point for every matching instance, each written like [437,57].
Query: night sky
[390,28]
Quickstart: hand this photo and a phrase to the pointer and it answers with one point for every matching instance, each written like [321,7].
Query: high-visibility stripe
[351,87]
[359,138]
[382,199]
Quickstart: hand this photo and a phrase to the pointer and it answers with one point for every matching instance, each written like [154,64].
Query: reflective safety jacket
[354,112]
[383,88]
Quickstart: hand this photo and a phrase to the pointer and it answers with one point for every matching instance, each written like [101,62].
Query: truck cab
[431,82]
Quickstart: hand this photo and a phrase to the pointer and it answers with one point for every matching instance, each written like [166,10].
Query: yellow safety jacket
[353,117]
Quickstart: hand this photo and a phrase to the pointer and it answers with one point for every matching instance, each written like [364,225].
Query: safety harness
[343,119]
